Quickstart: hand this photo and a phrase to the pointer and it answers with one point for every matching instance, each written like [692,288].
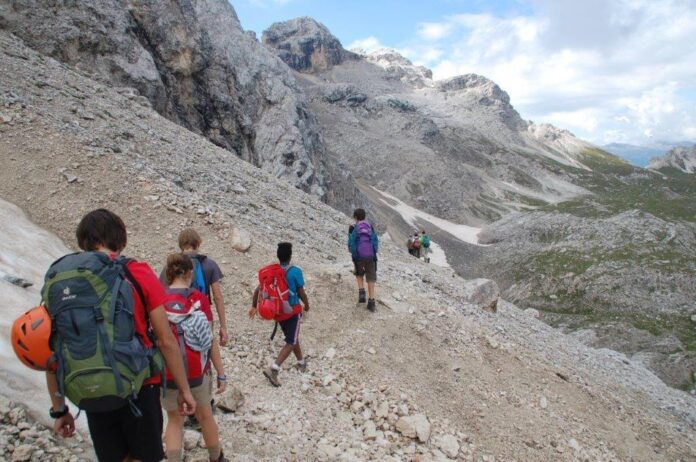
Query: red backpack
[273,302]
[196,362]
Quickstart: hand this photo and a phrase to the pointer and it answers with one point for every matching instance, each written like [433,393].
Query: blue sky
[608,70]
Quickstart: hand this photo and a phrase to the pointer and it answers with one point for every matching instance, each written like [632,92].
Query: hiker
[413,245]
[364,244]
[424,246]
[277,297]
[206,276]
[104,308]
[191,321]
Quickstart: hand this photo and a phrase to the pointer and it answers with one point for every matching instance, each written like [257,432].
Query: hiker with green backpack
[109,335]
[424,246]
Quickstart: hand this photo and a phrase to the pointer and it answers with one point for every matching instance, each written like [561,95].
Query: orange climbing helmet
[30,336]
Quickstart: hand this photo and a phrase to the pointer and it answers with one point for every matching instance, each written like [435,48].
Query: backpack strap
[134,282]
[275,329]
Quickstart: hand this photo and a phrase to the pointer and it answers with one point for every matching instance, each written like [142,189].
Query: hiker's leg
[209,429]
[371,289]
[361,282]
[298,351]
[284,353]
[174,435]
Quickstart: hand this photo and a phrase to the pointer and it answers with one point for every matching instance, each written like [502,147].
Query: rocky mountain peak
[398,66]
[681,158]
[476,83]
[305,44]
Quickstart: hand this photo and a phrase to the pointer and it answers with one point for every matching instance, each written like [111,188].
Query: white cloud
[434,31]
[623,70]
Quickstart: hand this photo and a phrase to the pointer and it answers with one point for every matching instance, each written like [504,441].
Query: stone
[240,240]
[191,439]
[22,453]
[483,293]
[370,430]
[330,353]
[231,400]
[532,312]
[449,445]
[414,426]
[543,402]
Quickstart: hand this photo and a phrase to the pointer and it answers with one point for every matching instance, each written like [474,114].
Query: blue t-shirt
[295,282]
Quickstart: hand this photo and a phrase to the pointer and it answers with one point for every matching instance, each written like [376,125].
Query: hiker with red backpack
[206,277]
[108,330]
[191,321]
[277,298]
[364,244]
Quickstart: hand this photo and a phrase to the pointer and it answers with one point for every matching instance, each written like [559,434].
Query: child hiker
[191,321]
[278,296]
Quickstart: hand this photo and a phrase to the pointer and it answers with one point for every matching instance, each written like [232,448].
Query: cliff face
[197,67]
[680,158]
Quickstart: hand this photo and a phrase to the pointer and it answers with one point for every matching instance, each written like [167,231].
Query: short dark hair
[284,252]
[101,228]
[359,214]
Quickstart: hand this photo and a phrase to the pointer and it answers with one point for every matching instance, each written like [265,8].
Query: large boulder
[240,239]
[414,426]
[483,293]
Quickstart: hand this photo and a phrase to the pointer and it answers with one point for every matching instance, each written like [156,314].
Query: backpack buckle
[98,314]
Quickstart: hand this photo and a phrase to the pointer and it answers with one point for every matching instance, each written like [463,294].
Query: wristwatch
[58,414]
[222,378]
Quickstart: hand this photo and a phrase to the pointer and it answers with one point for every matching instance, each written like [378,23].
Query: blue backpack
[198,282]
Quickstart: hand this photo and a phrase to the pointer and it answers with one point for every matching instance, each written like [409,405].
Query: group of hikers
[418,245]
[122,344]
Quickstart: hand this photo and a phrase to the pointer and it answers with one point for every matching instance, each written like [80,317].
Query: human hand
[224,336]
[252,312]
[306,308]
[65,426]
[186,402]
[221,386]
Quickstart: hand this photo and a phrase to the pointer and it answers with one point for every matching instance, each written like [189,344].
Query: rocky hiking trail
[430,376]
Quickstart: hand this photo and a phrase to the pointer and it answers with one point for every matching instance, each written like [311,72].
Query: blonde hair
[189,238]
[178,264]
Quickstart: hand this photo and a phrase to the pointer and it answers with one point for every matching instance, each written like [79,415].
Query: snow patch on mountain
[411,215]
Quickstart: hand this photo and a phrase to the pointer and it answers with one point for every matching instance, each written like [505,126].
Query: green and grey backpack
[102,362]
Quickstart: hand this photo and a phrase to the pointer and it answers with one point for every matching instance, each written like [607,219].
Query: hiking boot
[272,376]
[371,305]
[302,367]
[361,296]
[222,458]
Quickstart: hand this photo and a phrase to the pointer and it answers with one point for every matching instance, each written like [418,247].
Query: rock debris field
[429,376]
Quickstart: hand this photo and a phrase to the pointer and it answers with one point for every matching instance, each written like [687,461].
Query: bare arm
[216,358]
[254,301]
[172,357]
[303,296]
[63,426]
[216,289]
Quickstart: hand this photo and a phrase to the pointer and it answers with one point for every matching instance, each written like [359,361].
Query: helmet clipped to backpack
[30,337]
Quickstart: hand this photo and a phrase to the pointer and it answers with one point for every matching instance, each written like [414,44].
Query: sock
[300,361]
[214,452]
[275,367]
[175,455]
[361,291]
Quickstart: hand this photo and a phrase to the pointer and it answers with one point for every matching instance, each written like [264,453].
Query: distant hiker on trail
[364,244]
[414,245]
[206,276]
[277,298]
[191,322]
[424,246]
[104,309]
